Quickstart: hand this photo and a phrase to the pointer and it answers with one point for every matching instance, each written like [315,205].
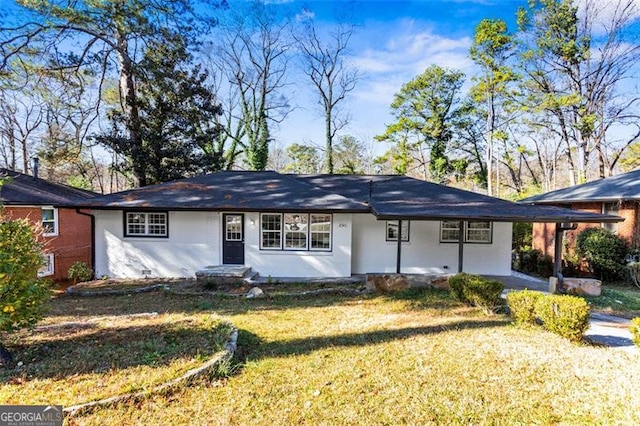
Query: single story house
[616,195]
[66,232]
[307,226]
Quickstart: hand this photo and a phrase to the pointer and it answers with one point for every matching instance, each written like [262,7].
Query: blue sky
[395,41]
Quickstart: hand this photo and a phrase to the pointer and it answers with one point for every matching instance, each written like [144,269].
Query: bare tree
[324,63]
[577,61]
[252,53]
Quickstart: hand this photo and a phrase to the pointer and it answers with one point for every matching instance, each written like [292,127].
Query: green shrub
[634,328]
[604,251]
[528,261]
[476,291]
[79,272]
[23,294]
[544,265]
[522,305]
[565,315]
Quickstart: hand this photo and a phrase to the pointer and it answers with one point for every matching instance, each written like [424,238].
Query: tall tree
[323,61]
[302,159]
[577,59]
[177,111]
[252,53]
[425,109]
[98,37]
[491,50]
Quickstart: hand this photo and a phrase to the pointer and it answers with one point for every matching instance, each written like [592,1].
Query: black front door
[233,239]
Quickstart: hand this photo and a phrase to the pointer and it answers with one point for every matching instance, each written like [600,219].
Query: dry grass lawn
[414,359]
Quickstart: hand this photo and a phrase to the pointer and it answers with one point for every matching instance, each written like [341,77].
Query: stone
[255,293]
[387,283]
[440,282]
[582,286]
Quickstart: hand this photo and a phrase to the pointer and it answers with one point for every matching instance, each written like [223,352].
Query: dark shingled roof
[226,191]
[401,197]
[21,189]
[621,187]
[387,197]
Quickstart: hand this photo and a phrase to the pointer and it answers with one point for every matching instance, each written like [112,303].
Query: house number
[342,225]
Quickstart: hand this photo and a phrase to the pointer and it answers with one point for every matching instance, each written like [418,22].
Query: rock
[255,292]
[586,286]
[441,282]
[387,283]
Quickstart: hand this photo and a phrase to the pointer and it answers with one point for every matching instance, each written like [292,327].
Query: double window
[392,230]
[474,232]
[295,231]
[146,224]
[49,221]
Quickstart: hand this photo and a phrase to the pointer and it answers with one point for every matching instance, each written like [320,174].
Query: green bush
[604,251]
[528,262]
[634,328]
[544,265]
[79,272]
[476,291]
[522,305]
[565,315]
[23,294]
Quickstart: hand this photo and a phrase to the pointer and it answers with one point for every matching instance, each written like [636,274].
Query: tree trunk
[130,106]
[329,142]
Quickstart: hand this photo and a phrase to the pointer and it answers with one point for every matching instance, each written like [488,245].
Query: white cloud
[410,48]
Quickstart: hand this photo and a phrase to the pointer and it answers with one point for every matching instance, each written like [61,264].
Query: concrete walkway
[607,330]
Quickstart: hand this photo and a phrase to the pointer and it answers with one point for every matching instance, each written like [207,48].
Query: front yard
[418,358]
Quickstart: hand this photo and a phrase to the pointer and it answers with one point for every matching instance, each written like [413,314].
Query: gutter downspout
[93,238]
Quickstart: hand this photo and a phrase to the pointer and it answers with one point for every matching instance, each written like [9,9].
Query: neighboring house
[306,226]
[617,195]
[66,233]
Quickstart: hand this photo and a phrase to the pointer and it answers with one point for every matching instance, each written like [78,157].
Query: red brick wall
[73,242]
[543,233]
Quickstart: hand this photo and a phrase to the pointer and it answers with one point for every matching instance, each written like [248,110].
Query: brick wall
[543,233]
[73,242]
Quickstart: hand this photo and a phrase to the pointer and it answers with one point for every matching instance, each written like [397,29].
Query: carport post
[460,245]
[557,253]
[399,255]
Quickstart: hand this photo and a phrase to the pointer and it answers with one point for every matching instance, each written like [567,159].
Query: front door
[233,239]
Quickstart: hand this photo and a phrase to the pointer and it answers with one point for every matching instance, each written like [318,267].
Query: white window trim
[283,232]
[330,232]
[146,233]
[406,225]
[55,222]
[50,263]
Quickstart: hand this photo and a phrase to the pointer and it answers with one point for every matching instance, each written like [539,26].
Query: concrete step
[224,273]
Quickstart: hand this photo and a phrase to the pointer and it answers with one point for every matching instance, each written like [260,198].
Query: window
[478,232]
[271,229]
[449,231]
[295,236]
[613,209]
[295,231]
[49,221]
[474,232]
[392,230]
[146,224]
[48,266]
[320,232]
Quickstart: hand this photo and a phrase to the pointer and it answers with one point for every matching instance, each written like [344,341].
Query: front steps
[226,274]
